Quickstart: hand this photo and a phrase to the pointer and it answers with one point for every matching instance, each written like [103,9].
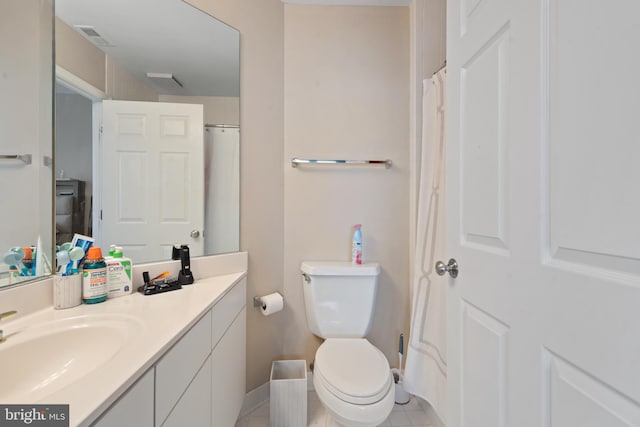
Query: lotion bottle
[119,281]
[356,244]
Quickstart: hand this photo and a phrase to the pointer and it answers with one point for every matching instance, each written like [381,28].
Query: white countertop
[161,320]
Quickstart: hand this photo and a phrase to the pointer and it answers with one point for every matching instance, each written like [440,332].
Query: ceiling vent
[165,81]
[93,36]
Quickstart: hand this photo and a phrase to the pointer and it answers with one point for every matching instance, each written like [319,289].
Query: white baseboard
[260,395]
[254,399]
[433,416]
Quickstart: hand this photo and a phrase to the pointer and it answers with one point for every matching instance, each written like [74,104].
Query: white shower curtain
[426,367]
[222,189]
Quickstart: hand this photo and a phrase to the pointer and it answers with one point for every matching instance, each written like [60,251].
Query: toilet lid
[353,370]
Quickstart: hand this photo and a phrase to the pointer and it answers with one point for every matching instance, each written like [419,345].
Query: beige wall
[261,27]
[370,86]
[122,85]
[428,54]
[218,110]
[347,96]
[80,57]
[77,55]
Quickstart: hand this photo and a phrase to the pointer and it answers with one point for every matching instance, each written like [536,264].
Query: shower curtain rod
[444,66]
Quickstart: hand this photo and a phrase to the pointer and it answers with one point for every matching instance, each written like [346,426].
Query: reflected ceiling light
[165,80]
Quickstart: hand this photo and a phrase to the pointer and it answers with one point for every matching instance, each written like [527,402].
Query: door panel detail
[174,192]
[484,367]
[131,124]
[483,141]
[585,180]
[468,8]
[131,177]
[576,398]
[171,126]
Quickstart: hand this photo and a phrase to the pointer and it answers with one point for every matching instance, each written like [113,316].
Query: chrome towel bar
[24,158]
[296,161]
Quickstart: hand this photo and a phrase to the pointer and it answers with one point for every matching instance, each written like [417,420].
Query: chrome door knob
[452,268]
[195,234]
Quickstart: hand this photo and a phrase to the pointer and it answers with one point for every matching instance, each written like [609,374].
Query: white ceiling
[164,36]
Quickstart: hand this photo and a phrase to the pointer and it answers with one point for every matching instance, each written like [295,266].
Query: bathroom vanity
[171,359]
[200,381]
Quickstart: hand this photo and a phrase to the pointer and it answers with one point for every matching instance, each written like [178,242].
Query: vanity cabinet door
[228,372]
[179,366]
[134,408]
[226,310]
[194,407]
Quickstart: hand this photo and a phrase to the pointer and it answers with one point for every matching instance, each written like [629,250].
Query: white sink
[42,359]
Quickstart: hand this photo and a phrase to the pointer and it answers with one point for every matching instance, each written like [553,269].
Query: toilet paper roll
[271,303]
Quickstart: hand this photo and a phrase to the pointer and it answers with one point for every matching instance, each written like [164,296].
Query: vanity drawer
[194,407]
[134,407]
[226,310]
[179,366]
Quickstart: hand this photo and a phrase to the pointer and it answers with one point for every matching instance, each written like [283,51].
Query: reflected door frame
[96,96]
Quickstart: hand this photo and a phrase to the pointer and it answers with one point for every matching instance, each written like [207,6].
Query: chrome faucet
[4,316]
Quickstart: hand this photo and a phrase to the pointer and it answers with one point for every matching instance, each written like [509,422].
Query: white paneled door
[543,213]
[152,178]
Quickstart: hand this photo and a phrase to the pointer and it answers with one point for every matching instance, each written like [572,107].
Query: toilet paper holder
[269,304]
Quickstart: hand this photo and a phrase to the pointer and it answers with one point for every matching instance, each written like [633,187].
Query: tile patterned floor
[416,413]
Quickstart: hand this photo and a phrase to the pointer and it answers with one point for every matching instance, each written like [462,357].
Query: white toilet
[351,377]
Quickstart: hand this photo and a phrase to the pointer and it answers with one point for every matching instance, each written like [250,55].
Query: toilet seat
[353,370]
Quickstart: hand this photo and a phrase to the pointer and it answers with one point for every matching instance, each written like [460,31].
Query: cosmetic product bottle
[356,244]
[94,277]
[119,281]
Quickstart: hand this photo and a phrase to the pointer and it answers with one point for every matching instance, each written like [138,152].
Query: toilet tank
[339,297]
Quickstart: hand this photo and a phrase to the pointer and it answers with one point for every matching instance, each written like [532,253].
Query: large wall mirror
[147,51]
[147,127]
[26,113]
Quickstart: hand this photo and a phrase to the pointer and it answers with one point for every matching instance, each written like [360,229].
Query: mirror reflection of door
[152,187]
[117,207]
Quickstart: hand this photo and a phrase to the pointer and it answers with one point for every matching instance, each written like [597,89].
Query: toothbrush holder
[67,291]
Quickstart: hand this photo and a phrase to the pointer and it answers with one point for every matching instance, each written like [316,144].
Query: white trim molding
[351,2]
[76,84]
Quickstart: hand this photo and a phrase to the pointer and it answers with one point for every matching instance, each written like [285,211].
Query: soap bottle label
[94,283]
[119,277]
[356,253]
[356,245]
